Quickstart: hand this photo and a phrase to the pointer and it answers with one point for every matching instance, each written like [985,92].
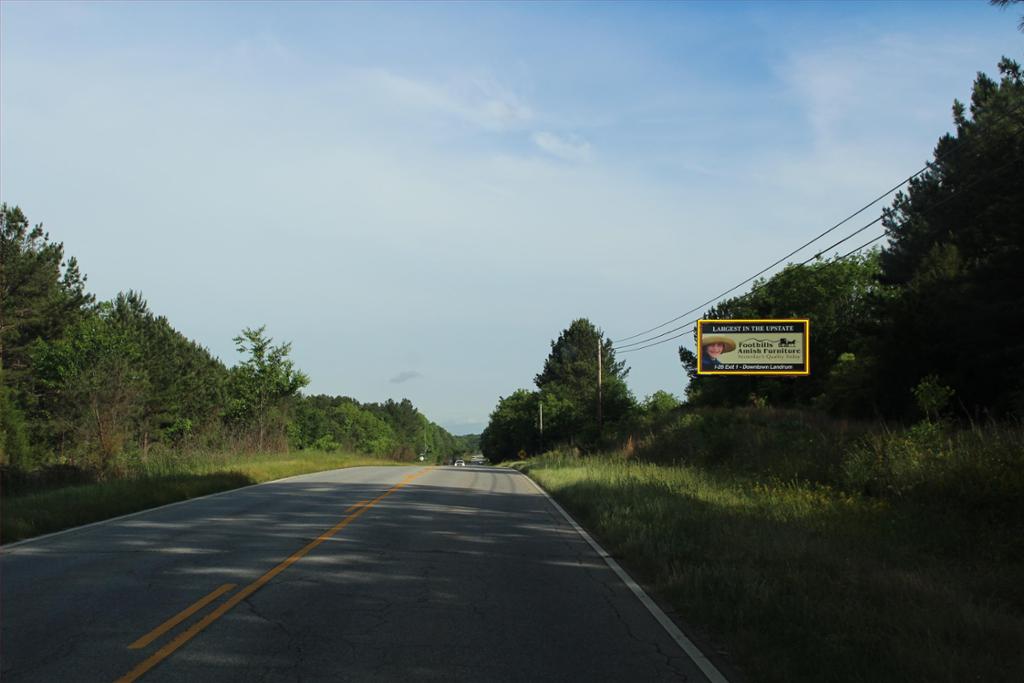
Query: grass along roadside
[158,482]
[805,582]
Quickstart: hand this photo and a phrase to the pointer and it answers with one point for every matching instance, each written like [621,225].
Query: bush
[326,443]
[14,445]
[895,464]
[981,467]
[18,481]
[782,443]
[932,397]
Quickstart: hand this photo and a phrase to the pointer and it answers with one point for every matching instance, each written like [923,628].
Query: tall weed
[938,462]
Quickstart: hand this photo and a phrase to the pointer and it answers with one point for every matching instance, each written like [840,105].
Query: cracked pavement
[466,574]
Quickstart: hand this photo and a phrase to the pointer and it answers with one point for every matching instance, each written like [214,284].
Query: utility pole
[540,407]
[600,418]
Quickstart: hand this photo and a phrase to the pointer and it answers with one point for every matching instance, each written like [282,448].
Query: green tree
[41,295]
[185,383]
[261,386]
[407,424]
[14,445]
[395,428]
[837,295]
[467,443]
[569,380]
[121,377]
[956,255]
[363,430]
[312,421]
[1006,3]
[657,408]
[92,387]
[512,427]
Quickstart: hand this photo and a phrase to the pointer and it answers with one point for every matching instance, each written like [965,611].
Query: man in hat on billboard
[711,347]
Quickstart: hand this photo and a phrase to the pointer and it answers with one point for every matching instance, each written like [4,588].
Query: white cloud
[864,91]
[571,148]
[479,101]
[405,376]
[263,46]
[864,114]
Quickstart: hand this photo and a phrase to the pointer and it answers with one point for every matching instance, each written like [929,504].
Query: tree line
[570,406]
[392,428]
[931,323]
[89,384]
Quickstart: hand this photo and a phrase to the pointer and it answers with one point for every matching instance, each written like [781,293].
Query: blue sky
[421,196]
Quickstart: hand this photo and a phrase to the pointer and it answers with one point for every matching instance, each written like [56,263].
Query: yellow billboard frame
[757,373]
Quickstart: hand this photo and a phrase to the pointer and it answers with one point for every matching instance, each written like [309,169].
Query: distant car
[460,463]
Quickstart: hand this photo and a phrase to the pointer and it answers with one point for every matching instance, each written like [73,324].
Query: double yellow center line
[351,514]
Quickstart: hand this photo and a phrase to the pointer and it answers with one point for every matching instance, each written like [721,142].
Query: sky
[420,197]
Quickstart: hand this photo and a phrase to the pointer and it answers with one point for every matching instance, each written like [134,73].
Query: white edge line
[687,645]
[7,546]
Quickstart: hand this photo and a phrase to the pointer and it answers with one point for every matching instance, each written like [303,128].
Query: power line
[833,245]
[960,142]
[692,323]
[753,289]
[644,341]
[853,234]
[681,334]
[647,343]
[766,269]
[868,243]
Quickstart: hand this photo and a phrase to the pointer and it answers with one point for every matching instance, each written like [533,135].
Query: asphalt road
[439,574]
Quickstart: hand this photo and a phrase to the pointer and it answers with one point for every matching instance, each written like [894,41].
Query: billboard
[753,347]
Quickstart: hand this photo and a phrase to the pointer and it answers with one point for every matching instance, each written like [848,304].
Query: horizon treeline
[96,385]
[931,325]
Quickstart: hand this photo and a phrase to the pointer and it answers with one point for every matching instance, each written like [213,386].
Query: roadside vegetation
[813,552]
[927,326]
[860,524]
[44,505]
[105,408]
